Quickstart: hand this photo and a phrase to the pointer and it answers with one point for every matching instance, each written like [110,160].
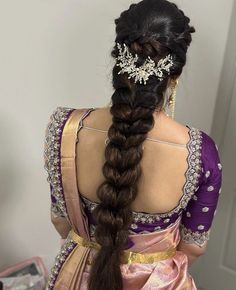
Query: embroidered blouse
[196,207]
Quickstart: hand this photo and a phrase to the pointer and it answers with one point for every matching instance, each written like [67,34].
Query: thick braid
[132,109]
[132,112]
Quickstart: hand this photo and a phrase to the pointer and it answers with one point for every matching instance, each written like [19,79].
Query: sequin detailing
[92,228]
[52,157]
[55,211]
[205,209]
[144,218]
[207,173]
[200,227]
[190,236]
[210,188]
[157,228]
[188,214]
[133,226]
[65,250]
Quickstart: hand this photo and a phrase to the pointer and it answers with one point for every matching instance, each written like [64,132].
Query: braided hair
[152,28]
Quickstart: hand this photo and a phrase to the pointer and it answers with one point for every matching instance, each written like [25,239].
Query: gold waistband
[128,257]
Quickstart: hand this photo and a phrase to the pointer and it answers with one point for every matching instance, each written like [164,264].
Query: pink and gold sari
[151,263]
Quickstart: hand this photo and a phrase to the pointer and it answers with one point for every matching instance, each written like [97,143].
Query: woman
[133,191]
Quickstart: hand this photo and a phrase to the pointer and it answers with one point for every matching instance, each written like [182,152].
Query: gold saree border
[78,218]
[70,273]
[128,257]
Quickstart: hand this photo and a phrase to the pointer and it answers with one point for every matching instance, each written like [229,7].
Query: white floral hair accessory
[149,67]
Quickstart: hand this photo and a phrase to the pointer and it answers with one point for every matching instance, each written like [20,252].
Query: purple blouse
[198,203]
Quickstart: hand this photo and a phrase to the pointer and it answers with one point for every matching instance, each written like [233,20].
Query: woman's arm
[192,251]
[198,216]
[61,225]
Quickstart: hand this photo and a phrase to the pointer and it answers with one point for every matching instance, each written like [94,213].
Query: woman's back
[164,166]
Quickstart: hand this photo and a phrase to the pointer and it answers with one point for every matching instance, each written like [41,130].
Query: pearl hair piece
[127,63]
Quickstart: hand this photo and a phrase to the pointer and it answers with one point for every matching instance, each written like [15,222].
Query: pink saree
[72,265]
[170,273]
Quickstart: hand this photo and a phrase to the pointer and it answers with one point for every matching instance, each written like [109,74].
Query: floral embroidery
[52,157]
[65,250]
[145,217]
[55,211]
[205,209]
[200,227]
[157,228]
[188,214]
[207,173]
[210,188]
[134,226]
[92,228]
[190,236]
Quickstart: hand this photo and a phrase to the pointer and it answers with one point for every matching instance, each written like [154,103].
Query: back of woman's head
[152,28]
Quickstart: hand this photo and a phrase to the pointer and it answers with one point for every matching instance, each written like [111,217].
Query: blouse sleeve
[199,214]
[50,163]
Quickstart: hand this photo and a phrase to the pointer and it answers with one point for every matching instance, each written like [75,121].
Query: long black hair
[152,28]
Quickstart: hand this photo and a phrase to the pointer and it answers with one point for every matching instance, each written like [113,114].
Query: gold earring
[172,98]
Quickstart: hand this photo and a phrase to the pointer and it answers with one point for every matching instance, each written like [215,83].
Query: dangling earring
[172,98]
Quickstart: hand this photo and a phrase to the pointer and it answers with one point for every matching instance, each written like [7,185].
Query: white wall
[56,53]
[198,91]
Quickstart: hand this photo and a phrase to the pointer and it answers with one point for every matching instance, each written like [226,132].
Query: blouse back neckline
[190,186]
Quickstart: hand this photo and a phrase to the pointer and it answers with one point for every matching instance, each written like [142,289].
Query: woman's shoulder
[100,118]
[199,139]
[209,152]
[54,126]
[57,120]
[53,133]
[208,141]
[60,109]
[61,113]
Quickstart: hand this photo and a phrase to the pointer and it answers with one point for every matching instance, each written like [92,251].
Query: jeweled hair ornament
[127,63]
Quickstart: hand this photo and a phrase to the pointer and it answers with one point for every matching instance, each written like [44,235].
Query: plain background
[57,53]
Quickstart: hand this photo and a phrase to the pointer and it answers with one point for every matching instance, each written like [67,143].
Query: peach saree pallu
[152,260]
